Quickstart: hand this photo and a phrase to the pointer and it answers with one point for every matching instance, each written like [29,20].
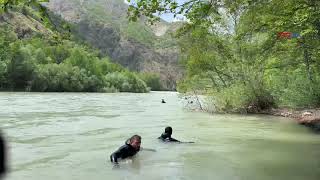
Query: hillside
[140,47]
[37,55]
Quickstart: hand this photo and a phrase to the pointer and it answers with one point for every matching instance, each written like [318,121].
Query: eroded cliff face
[24,26]
[137,46]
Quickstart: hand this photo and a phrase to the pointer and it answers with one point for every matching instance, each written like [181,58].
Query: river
[69,136]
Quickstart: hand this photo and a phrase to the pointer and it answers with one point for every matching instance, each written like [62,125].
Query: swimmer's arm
[114,158]
[148,149]
[173,140]
[116,155]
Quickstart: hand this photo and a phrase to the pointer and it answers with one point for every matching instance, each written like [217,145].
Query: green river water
[69,136]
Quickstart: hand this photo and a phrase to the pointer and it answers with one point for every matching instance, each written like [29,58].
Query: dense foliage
[152,80]
[235,51]
[39,57]
[41,65]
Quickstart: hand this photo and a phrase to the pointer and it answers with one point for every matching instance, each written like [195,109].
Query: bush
[242,98]
[64,78]
[58,53]
[301,93]
[38,64]
[21,66]
[3,74]
[152,80]
[105,66]
[110,90]
[126,82]
[292,88]
[82,59]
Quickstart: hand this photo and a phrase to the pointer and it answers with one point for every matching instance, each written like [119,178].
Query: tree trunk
[307,62]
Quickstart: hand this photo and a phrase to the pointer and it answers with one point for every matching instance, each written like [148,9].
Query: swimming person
[131,148]
[2,157]
[166,136]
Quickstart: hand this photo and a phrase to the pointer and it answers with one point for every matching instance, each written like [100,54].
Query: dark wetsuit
[2,156]
[167,138]
[123,152]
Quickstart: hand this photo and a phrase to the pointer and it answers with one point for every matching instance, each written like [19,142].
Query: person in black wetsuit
[2,157]
[166,136]
[131,148]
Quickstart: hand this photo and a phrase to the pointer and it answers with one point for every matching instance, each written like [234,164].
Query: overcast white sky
[168,16]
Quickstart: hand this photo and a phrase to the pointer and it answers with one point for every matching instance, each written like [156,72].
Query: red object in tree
[285,34]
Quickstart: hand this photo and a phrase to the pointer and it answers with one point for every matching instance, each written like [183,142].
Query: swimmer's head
[135,142]
[168,130]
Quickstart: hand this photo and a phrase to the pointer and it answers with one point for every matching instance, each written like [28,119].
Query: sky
[169,16]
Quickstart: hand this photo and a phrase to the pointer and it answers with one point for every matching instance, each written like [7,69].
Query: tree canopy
[248,55]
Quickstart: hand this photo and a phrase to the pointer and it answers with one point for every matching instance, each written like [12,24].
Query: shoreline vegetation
[36,57]
[249,56]
[309,117]
[242,59]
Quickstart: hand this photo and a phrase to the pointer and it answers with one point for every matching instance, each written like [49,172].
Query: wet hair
[135,137]
[168,130]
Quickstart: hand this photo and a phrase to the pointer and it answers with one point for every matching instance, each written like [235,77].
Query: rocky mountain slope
[140,47]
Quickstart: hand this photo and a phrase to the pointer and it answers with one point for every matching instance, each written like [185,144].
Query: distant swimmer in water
[166,136]
[163,101]
[3,167]
[131,148]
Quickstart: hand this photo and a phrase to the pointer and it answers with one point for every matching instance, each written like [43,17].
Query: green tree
[233,53]
[126,82]
[21,66]
[152,80]
[6,37]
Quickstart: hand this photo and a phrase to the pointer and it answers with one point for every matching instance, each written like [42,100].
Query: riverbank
[306,117]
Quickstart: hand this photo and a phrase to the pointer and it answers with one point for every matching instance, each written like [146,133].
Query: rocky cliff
[135,45]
